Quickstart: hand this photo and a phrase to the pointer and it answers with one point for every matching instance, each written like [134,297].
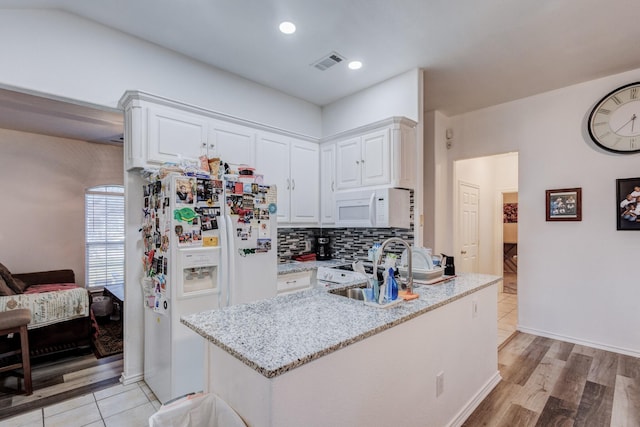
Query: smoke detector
[328,61]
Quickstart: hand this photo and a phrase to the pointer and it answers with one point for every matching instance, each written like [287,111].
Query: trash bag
[196,410]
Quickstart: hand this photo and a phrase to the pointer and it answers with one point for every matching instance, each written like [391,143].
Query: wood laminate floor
[546,382]
[58,380]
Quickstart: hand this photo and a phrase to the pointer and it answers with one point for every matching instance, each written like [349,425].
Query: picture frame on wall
[628,204]
[564,204]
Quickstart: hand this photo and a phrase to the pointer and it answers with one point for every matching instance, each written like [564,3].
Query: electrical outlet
[474,308]
[439,384]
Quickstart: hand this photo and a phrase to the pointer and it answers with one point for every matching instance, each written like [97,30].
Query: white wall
[42,185]
[75,58]
[437,202]
[397,96]
[573,277]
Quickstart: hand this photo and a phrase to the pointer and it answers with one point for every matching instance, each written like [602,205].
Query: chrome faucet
[379,256]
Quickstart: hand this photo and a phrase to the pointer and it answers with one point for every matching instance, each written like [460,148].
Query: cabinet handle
[362,160]
[291,281]
[332,186]
[288,184]
[357,162]
[293,184]
[463,252]
[204,145]
[212,145]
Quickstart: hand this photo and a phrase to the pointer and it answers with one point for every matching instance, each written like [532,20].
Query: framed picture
[628,204]
[564,204]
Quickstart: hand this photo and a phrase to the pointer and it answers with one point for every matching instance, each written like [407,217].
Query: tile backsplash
[348,243]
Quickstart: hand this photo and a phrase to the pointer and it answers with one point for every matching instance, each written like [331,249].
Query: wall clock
[614,123]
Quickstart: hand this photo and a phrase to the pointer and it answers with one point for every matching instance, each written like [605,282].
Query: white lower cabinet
[292,165]
[294,282]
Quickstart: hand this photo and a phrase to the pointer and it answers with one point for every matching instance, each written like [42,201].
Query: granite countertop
[298,266]
[278,334]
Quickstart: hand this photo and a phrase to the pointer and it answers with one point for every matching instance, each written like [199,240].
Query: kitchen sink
[352,293]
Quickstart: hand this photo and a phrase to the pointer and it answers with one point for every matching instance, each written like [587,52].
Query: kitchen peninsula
[315,358]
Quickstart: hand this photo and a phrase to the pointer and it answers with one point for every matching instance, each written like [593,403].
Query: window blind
[104,234]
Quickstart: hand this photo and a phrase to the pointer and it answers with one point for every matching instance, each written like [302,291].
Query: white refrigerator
[207,244]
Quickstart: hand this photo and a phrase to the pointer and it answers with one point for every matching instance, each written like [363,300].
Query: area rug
[510,283]
[109,340]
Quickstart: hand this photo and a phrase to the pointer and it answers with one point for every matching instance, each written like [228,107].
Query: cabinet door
[305,186]
[233,144]
[174,135]
[376,158]
[272,161]
[348,156]
[408,164]
[327,183]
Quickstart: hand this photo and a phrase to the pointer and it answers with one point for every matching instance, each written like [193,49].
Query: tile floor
[507,316]
[116,406]
[132,405]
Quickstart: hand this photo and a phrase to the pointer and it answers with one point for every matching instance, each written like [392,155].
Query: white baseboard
[475,401]
[126,380]
[546,334]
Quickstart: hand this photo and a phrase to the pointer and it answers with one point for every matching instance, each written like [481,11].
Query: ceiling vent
[328,61]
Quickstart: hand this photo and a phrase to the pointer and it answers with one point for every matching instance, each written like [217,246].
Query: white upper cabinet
[327,182]
[348,156]
[383,153]
[305,185]
[232,143]
[158,130]
[173,135]
[272,161]
[364,160]
[375,161]
[293,166]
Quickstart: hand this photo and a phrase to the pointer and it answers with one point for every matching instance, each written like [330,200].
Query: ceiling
[474,53]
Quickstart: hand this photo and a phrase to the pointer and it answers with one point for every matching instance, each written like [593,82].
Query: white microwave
[381,207]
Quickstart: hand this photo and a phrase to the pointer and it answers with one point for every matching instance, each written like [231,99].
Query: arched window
[104,235]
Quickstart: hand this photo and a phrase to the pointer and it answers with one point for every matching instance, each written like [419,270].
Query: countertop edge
[271,373]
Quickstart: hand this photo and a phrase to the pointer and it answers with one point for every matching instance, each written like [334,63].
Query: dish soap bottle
[392,287]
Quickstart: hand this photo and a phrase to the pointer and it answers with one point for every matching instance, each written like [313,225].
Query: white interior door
[468,240]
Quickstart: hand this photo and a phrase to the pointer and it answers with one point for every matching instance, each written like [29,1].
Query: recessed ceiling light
[287,27]
[355,65]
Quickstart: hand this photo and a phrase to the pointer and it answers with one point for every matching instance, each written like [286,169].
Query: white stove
[334,275]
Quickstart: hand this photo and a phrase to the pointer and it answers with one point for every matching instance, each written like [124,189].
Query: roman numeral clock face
[614,123]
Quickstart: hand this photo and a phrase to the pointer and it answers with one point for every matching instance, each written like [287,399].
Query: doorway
[496,178]
[510,242]
[508,298]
